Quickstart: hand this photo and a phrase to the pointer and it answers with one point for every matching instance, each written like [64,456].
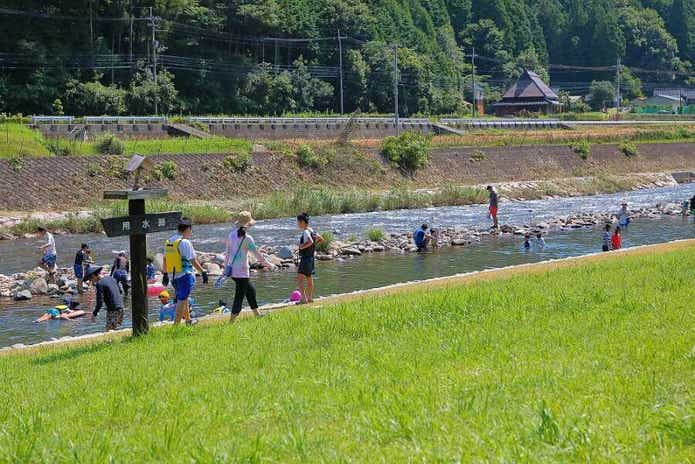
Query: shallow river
[368,271]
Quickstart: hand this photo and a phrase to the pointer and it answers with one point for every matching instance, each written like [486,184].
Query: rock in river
[23,295]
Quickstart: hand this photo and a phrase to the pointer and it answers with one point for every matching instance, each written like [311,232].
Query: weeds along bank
[65,182]
[547,364]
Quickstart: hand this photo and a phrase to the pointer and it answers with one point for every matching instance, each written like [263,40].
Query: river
[368,271]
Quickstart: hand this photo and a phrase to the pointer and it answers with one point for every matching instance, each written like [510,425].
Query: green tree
[601,94]
[145,94]
[683,27]
[85,98]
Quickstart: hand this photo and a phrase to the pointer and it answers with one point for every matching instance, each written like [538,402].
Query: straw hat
[244,219]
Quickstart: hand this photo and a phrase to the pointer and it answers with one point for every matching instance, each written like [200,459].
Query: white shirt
[185,248]
[306,236]
[237,254]
[50,241]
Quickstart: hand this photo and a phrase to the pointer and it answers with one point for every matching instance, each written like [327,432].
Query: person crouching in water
[422,238]
[180,261]
[108,295]
[239,245]
[119,271]
[616,239]
[307,249]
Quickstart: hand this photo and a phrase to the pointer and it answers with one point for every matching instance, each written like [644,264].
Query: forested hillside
[278,56]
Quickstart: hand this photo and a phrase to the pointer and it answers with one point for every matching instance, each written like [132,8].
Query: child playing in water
[616,239]
[607,238]
[119,271]
[168,309]
[540,241]
[63,312]
[623,215]
[527,242]
[150,271]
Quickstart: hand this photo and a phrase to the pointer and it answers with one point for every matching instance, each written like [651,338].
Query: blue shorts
[49,260]
[79,271]
[184,286]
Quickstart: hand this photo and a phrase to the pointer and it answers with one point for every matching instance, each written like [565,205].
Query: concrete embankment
[72,182]
[405,287]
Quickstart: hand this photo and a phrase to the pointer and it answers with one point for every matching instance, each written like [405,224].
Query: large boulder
[23,295]
[213,268]
[39,286]
[285,252]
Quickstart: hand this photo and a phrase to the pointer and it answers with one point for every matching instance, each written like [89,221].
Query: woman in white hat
[239,245]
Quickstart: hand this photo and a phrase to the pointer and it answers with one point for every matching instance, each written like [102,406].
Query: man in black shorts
[307,249]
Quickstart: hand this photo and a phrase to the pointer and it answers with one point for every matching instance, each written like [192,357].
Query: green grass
[198,213]
[18,138]
[588,364]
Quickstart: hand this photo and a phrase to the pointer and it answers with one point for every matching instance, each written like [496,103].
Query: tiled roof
[530,85]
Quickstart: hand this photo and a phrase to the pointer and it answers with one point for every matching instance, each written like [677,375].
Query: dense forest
[282,56]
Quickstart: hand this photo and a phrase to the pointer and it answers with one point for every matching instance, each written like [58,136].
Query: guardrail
[245,120]
[52,119]
[502,123]
[124,119]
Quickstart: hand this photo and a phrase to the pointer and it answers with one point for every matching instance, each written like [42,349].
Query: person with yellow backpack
[180,262]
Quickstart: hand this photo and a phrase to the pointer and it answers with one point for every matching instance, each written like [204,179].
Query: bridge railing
[52,119]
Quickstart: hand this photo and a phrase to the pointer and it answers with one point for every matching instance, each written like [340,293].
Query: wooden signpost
[137,225]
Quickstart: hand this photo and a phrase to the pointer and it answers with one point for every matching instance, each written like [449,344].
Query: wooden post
[138,271]
[137,225]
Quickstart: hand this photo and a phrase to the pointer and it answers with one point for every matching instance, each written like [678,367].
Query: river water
[368,271]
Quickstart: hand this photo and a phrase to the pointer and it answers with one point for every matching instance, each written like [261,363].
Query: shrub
[628,149]
[56,148]
[16,161]
[327,240]
[93,169]
[237,162]
[166,170]
[110,145]
[477,155]
[376,235]
[582,148]
[307,157]
[409,151]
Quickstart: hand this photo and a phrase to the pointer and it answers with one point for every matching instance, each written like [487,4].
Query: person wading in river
[180,261]
[236,260]
[108,295]
[493,205]
[307,251]
[82,259]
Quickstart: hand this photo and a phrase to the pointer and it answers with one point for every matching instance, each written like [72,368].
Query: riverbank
[484,346]
[76,183]
[324,200]
[26,285]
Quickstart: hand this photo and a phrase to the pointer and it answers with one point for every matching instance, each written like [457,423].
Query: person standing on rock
[82,258]
[48,260]
[108,295]
[236,263]
[307,251]
[180,261]
[493,205]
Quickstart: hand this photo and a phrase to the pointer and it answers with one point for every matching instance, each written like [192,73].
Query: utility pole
[153,25]
[617,78]
[130,42]
[395,88]
[340,60]
[473,87]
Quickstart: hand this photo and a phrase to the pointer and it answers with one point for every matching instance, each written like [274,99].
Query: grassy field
[592,363]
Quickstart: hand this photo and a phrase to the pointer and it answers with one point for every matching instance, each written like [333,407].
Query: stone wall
[55,183]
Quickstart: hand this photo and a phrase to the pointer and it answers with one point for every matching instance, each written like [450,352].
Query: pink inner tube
[154,290]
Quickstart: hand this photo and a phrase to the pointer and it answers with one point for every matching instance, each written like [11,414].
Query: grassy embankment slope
[592,362]
[17,139]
